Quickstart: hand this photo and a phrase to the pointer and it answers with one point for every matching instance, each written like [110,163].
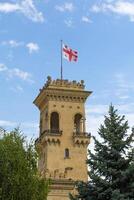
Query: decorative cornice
[55,95]
[81,138]
[62,90]
[50,137]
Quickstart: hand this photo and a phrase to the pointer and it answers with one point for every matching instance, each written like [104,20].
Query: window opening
[54,122]
[78,123]
[66,153]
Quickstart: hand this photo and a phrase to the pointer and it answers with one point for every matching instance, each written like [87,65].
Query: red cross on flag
[69,54]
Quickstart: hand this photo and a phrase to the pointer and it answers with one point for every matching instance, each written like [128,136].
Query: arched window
[78,123]
[54,122]
[66,153]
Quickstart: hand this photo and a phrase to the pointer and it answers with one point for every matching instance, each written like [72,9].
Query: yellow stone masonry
[63,139]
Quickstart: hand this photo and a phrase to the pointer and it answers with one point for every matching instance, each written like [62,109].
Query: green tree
[112,165]
[19,178]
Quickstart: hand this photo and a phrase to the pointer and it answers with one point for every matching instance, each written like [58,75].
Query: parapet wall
[63,84]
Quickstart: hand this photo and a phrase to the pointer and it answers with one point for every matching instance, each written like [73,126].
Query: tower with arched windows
[63,139]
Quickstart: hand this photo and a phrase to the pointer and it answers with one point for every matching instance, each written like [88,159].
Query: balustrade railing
[81,134]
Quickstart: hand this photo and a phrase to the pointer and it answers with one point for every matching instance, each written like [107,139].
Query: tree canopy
[111,167]
[19,178]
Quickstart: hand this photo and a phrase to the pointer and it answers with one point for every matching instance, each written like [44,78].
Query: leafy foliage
[112,165]
[19,177]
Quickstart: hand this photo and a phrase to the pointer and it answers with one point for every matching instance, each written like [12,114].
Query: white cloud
[17,89]
[93,123]
[65,7]
[4,123]
[15,72]
[28,8]
[9,7]
[68,23]
[125,108]
[96,109]
[31,129]
[96,8]
[124,97]
[86,19]
[123,82]
[12,43]
[95,117]
[2,67]
[123,86]
[32,47]
[120,7]
[19,73]
[25,7]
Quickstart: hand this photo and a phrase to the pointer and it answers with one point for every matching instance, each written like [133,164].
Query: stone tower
[63,139]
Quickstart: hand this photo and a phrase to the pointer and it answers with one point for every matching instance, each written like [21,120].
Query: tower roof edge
[62,87]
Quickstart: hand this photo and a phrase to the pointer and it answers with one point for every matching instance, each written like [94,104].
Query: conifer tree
[111,167]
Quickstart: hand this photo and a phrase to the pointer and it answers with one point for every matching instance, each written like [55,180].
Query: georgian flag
[69,54]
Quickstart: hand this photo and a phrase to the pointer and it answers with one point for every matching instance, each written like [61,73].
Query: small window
[54,122]
[66,153]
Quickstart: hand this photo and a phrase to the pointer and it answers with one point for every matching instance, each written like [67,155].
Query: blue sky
[102,32]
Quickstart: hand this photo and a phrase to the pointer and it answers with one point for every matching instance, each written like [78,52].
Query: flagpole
[61,62]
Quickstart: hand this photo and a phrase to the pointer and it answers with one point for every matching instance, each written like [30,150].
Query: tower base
[60,189]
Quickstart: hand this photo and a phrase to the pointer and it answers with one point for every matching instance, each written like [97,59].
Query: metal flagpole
[61,62]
